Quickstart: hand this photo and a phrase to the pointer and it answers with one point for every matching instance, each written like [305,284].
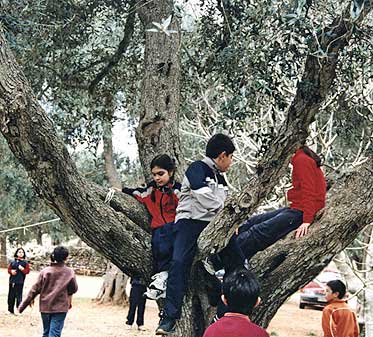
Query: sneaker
[166,326]
[159,281]
[141,328]
[154,294]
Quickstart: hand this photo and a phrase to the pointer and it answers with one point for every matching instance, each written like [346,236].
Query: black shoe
[166,326]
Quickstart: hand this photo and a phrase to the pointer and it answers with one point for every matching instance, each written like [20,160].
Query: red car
[313,294]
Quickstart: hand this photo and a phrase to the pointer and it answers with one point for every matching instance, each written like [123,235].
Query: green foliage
[19,204]
[63,46]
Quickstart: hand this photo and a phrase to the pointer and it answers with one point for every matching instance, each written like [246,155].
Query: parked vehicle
[313,293]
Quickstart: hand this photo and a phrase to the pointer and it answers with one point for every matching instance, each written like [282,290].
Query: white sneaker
[154,294]
[159,281]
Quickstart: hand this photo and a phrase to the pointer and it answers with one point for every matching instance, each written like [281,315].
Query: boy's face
[329,295]
[224,161]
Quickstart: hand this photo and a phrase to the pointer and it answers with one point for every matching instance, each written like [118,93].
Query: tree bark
[158,129]
[113,289]
[33,140]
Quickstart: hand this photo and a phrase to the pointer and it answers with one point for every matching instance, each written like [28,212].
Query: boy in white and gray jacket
[203,193]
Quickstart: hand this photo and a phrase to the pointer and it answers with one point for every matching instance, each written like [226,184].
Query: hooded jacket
[203,191]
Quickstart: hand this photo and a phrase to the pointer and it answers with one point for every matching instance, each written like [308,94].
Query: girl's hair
[59,254]
[165,162]
[17,250]
[312,154]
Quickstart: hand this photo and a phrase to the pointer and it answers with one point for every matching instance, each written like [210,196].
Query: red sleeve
[304,169]
[10,269]
[27,269]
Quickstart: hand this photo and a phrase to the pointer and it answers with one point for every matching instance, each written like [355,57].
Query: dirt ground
[87,319]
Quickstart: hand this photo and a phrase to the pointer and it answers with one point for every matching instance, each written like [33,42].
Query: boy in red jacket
[241,295]
[338,320]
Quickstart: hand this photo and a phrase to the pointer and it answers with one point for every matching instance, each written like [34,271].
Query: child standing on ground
[56,284]
[137,301]
[17,269]
[203,192]
[338,320]
[240,295]
[161,197]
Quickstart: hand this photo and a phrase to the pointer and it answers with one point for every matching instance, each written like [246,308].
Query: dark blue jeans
[53,324]
[185,246]
[137,301]
[258,233]
[162,246]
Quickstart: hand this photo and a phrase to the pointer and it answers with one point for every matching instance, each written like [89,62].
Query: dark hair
[165,162]
[337,286]
[217,144]
[241,290]
[59,254]
[312,154]
[17,250]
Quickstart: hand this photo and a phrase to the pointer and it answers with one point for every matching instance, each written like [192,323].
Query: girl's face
[161,176]
[21,253]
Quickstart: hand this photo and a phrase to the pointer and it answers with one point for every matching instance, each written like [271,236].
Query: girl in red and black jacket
[306,197]
[17,269]
[161,197]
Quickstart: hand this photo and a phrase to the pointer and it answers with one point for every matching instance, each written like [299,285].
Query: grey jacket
[203,191]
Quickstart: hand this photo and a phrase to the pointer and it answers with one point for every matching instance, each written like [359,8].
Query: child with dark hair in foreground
[240,295]
[338,320]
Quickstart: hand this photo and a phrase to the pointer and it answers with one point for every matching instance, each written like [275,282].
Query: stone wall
[84,261]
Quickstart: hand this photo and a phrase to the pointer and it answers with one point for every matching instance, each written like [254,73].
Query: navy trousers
[185,246]
[162,246]
[14,296]
[137,301]
[258,233]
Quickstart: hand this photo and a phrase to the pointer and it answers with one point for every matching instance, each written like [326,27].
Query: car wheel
[302,305]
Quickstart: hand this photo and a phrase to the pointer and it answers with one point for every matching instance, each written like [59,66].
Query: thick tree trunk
[113,289]
[32,139]
[158,130]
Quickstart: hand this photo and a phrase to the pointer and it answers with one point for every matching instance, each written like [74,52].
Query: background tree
[262,60]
